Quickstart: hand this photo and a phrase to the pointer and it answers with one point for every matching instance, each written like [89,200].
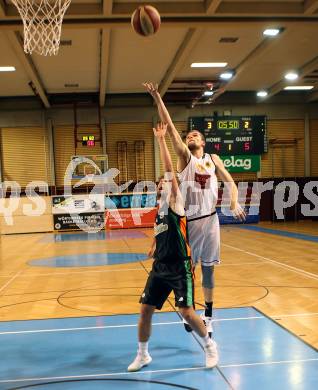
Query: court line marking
[268,363]
[153,371]
[81,272]
[279,264]
[10,281]
[239,264]
[114,270]
[155,324]
[294,315]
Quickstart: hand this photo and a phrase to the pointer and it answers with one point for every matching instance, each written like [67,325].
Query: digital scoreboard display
[232,135]
[88,140]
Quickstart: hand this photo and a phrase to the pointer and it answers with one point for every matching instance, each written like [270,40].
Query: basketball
[145,20]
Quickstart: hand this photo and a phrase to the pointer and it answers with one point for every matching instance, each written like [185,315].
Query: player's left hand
[151,252]
[238,212]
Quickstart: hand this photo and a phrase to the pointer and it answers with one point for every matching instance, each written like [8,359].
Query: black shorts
[158,288]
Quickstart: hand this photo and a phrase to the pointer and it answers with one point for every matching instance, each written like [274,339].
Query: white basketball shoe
[211,354]
[140,361]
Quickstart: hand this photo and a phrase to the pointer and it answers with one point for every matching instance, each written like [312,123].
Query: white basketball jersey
[199,186]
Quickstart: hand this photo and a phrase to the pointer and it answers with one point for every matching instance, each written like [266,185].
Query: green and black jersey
[172,246]
[171,236]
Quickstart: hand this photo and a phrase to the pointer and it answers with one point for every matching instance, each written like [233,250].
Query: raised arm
[160,132]
[224,175]
[172,192]
[179,146]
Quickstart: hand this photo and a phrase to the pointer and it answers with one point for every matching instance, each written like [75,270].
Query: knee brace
[207,276]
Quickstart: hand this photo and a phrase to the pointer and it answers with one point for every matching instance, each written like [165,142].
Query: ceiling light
[271,32]
[262,93]
[208,93]
[227,75]
[291,76]
[7,68]
[299,88]
[208,64]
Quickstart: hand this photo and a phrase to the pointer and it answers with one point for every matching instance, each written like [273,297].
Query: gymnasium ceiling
[101,55]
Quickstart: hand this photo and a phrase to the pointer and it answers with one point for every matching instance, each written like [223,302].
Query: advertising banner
[130,218]
[91,221]
[131,200]
[225,216]
[78,204]
[239,164]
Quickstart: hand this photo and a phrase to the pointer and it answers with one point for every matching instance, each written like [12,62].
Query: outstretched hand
[152,89]
[160,130]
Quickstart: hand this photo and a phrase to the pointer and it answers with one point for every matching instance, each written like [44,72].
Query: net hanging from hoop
[42,23]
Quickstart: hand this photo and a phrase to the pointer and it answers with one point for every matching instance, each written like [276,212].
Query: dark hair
[201,134]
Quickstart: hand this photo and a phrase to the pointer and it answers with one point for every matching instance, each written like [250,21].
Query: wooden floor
[278,275]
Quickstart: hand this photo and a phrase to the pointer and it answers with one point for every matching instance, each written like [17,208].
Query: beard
[193,146]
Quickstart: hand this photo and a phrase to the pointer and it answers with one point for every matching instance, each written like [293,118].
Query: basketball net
[42,22]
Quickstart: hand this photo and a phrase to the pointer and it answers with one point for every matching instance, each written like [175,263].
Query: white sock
[206,340]
[143,347]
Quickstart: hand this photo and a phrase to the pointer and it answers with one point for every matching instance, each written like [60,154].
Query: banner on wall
[78,204]
[131,200]
[74,222]
[225,216]
[239,164]
[130,218]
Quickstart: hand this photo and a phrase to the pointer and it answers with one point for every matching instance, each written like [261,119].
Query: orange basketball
[145,20]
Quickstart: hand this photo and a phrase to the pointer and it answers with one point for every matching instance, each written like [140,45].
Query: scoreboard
[88,140]
[232,135]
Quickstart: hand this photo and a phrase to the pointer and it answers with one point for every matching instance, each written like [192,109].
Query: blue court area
[94,352]
[282,233]
[99,236]
[88,260]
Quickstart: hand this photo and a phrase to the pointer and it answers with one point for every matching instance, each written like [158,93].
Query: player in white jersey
[197,173]
[200,205]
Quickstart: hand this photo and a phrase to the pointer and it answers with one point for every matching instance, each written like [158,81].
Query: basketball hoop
[42,22]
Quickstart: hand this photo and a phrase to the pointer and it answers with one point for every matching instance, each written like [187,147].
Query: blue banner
[252,215]
[130,201]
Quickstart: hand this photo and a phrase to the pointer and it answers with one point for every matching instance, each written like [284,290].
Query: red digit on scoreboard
[217,147]
[247,146]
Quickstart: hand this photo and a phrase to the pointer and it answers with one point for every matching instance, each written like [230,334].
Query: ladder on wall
[122,162]
[140,161]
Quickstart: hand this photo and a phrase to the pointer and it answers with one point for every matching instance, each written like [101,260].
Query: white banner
[78,204]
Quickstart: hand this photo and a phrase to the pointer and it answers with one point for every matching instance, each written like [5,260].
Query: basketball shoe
[211,354]
[140,361]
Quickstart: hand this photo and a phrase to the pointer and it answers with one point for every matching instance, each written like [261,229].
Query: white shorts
[204,239]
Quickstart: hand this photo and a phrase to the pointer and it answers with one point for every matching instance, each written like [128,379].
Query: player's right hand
[239,213]
[152,89]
